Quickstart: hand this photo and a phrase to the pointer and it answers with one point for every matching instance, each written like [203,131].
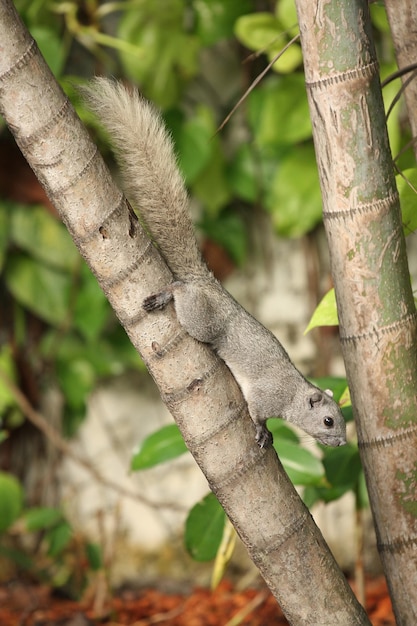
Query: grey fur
[270,383]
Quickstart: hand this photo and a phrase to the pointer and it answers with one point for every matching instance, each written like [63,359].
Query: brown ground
[24,605]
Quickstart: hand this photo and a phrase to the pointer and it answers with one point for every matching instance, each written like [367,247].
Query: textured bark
[369,265]
[264,507]
[403,23]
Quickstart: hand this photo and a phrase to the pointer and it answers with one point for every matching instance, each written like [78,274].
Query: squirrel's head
[319,416]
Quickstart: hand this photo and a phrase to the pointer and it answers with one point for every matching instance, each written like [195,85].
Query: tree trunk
[403,24]
[251,484]
[369,265]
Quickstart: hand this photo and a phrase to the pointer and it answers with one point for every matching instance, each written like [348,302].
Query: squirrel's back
[150,175]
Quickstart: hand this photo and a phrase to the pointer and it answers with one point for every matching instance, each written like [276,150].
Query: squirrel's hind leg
[159,300]
[263,436]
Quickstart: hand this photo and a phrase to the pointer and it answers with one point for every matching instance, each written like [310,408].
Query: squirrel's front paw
[157,300]
[263,436]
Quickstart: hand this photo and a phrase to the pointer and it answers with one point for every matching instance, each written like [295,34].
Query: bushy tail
[150,175]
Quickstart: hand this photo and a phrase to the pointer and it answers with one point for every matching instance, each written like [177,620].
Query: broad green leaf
[36,231]
[91,310]
[345,399]
[204,528]
[342,465]
[279,115]
[326,494]
[379,17]
[243,174]
[51,47]
[258,31]
[394,120]
[287,14]
[41,289]
[407,188]
[229,231]
[3,435]
[163,55]
[76,378]
[11,500]
[280,430]
[362,496]
[215,19]
[163,445]
[41,518]
[288,61]
[194,144]
[293,197]
[325,313]
[94,556]
[57,538]
[301,465]
[7,367]
[212,186]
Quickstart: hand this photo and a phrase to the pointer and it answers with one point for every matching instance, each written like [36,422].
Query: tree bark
[403,24]
[369,265]
[264,507]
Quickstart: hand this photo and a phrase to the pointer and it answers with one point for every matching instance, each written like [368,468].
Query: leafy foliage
[182,54]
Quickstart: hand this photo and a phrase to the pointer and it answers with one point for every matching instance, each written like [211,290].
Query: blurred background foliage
[195,59]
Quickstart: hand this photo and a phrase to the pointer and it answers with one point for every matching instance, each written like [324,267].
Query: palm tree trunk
[378,323]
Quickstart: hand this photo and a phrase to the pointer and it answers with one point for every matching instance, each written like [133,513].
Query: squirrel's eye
[328,421]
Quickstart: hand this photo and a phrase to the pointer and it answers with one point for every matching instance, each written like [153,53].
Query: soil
[25,605]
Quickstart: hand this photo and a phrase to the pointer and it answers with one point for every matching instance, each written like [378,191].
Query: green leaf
[94,556]
[229,231]
[342,465]
[36,231]
[212,186]
[407,186]
[280,430]
[194,145]
[4,434]
[301,465]
[163,445]
[243,174]
[294,197]
[19,557]
[41,518]
[76,378]
[362,497]
[215,19]
[279,115]
[204,528]
[288,61]
[57,538]
[258,31]
[287,14]
[164,55]
[11,500]
[325,313]
[42,290]
[91,310]
[8,368]
[51,47]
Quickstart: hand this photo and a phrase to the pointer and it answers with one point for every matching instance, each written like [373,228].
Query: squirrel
[271,384]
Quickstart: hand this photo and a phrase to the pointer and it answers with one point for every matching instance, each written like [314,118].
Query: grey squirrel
[270,383]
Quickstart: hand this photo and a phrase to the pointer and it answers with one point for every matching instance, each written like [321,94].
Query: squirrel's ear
[315,398]
[329,392]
